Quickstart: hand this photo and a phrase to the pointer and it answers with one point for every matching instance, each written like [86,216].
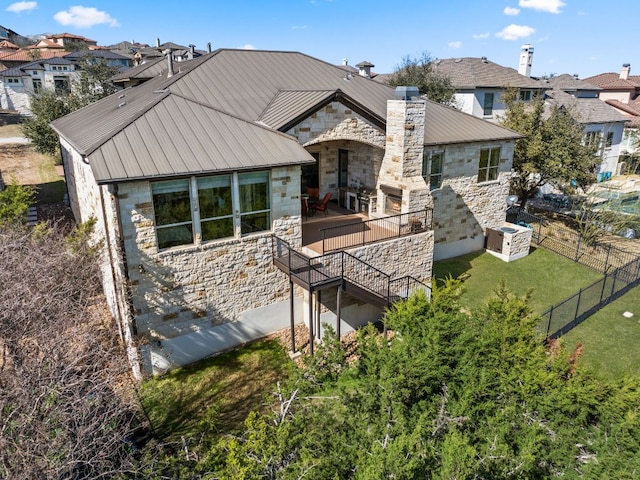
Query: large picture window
[211,208]
[488,166]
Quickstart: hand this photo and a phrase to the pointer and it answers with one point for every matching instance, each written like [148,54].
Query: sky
[584,37]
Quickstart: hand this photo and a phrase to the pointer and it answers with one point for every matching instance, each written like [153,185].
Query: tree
[15,201]
[552,151]
[449,396]
[419,72]
[64,382]
[46,106]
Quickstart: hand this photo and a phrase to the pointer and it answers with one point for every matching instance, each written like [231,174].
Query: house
[194,179]
[63,41]
[480,83]
[603,125]
[622,92]
[57,73]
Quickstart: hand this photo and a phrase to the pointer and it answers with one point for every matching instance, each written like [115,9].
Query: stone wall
[464,208]
[187,288]
[336,127]
[89,201]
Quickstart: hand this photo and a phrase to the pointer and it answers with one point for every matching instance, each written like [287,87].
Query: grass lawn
[221,390]
[611,342]
[551,277]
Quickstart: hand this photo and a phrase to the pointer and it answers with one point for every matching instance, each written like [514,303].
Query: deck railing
[357,234]
[355,275]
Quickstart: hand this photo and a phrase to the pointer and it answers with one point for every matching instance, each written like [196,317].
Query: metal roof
[445,125]
[294,103]
[206,95]
[178,136]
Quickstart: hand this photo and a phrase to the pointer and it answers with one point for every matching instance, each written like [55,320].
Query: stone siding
[336,127]
[187,288]
[464,208]
[90,201]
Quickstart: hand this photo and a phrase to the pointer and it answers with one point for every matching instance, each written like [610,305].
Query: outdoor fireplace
[392,200]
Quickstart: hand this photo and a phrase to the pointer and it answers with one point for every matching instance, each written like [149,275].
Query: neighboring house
[61,41]
[622,92]
[603,125]
[622,86]
[480,84]
[195,180]
[59,74]
[20,57]
[149,65]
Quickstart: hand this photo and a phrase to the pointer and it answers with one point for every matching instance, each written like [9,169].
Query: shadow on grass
[453,267]
[215,394]
[51,192]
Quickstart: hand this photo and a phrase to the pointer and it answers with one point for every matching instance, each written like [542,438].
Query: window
[174,225]
[432,170]
[608,143]
[525,95]
[13,80]
[216,207]
[37,85]
[488,104]
[254,202]
[61,85]
[488,167]
[592,139]
[222,206]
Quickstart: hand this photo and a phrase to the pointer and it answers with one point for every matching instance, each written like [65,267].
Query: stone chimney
[526,59]
[624,73]
[364,68]
[401,169]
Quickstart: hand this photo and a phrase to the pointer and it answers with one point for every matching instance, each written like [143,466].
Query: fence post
[604,283]
[575,316]
[539,232]
[550,317]
[613,285]
[578,248]
[606,261]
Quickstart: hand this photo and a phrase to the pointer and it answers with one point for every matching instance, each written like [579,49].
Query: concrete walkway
[14,140]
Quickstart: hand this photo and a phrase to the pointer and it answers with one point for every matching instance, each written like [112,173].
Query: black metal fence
[562,317]
[621,271]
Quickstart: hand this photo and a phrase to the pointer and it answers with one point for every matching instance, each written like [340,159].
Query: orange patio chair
[322,206]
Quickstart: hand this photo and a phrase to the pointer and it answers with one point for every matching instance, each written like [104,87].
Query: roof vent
[406,93]
[484,60]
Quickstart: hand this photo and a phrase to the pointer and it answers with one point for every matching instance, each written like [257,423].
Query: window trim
[489,167]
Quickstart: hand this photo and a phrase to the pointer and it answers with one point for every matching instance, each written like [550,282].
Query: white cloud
[511,11]
[480,36]
[84,17]
[514,32]
[551,6]
[456,44]
[248,46]
[20,7]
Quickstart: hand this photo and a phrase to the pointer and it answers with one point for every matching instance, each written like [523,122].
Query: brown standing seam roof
[205,117]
